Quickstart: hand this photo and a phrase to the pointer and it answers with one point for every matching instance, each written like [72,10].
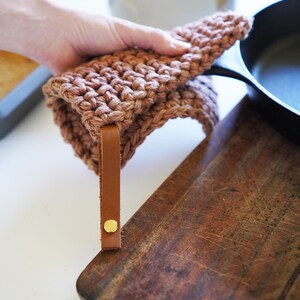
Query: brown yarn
[140,90]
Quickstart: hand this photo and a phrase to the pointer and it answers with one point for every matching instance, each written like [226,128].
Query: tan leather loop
[110,164]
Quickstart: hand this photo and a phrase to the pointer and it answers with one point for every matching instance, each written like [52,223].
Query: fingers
[149,38]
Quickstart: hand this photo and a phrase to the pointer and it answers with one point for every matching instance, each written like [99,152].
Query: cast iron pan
[269,62]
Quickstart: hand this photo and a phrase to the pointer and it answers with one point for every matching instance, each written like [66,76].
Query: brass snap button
[110,226]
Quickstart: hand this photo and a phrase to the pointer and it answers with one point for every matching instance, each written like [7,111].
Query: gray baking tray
[17,103]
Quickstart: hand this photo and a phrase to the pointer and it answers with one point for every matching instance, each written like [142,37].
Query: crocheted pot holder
[117,100]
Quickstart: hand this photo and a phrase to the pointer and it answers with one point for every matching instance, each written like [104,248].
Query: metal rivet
[110,226]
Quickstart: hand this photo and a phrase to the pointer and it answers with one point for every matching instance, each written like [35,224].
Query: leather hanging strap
[109,163]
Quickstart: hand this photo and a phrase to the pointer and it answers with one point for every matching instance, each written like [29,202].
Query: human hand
[60,38]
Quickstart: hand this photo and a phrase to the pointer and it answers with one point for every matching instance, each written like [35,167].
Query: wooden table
[224,225]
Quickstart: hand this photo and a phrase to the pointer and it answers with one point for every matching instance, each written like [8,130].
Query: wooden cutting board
[224,225]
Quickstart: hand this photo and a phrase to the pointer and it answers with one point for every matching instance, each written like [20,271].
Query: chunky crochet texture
[140,90]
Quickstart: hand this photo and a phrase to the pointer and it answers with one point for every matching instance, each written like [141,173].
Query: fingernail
[182,45]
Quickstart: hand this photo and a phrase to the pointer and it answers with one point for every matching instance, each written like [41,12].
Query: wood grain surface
[224,225]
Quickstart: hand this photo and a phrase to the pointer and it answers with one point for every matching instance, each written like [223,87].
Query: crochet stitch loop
[140,90]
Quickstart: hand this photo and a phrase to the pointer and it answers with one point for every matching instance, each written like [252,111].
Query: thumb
[145,37]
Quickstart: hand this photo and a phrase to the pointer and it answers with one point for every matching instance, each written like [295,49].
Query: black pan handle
[231,64]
